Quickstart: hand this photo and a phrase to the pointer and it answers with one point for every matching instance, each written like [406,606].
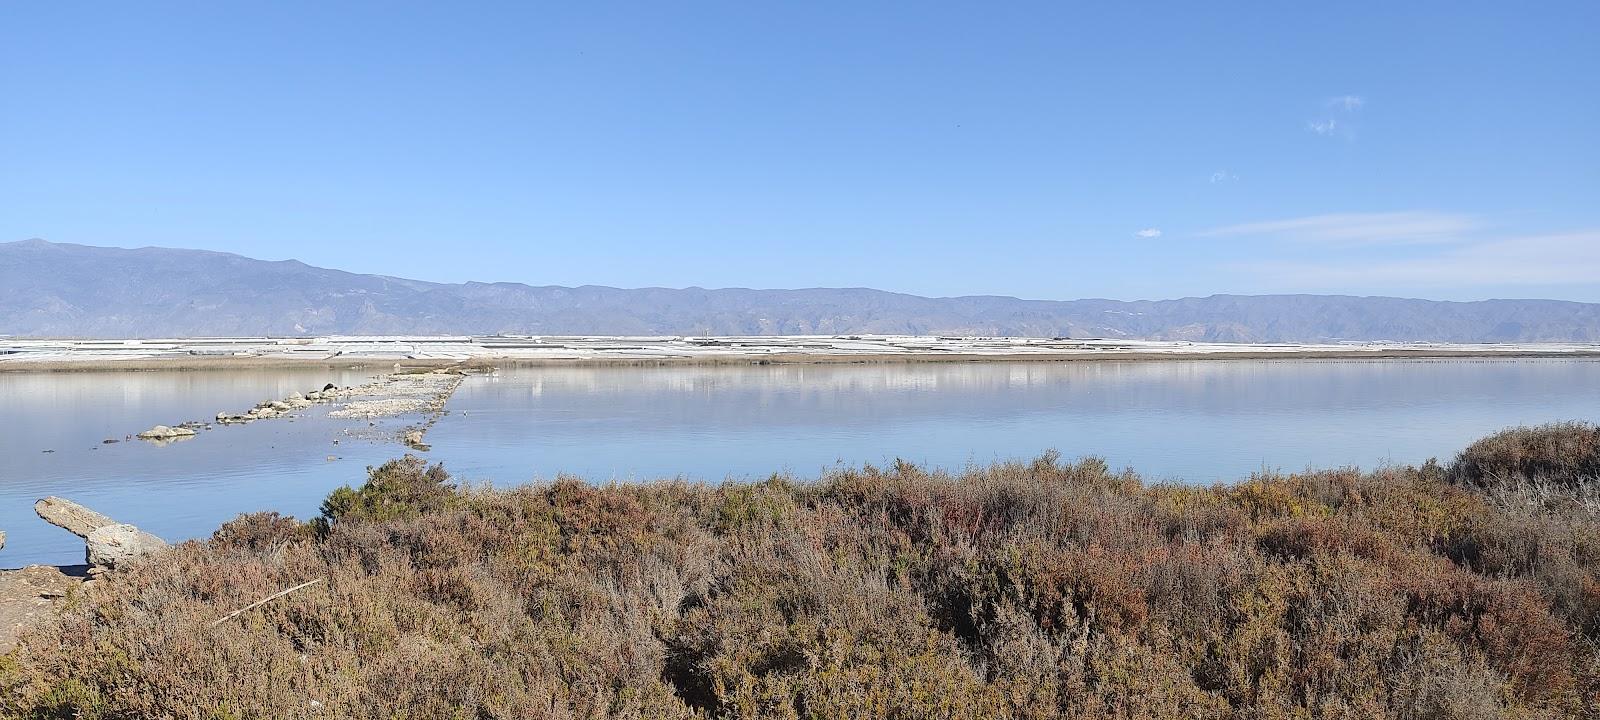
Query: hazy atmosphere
[1040,150]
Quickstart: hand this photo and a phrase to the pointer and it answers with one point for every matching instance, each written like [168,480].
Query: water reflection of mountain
[844,393]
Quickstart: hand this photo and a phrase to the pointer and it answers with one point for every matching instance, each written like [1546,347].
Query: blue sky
[1429,149]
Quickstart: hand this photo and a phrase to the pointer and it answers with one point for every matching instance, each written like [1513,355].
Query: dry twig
[263,601]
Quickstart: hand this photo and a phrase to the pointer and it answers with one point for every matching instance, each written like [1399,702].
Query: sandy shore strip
[405,352]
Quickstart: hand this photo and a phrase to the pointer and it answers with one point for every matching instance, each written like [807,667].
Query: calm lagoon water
[178,491]
[1196,421]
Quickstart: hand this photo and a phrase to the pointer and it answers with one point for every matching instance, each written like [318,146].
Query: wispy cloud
[1148,233]
[1347,103]
[1360,228]
[1406,253]
[1222,176]
[1343,104]
[1544,260]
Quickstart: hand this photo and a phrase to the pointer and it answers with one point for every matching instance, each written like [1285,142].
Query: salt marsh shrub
[1021,590]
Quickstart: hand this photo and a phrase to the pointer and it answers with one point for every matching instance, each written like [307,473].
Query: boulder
[107,543]
[116,545]
[70,516]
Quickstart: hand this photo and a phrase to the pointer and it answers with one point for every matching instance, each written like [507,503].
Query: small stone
[413,439]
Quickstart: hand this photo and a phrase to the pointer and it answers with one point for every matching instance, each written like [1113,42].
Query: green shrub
[398,489]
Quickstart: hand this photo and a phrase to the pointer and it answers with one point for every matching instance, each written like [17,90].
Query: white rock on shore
[70,516]
[107,543]
[113,546]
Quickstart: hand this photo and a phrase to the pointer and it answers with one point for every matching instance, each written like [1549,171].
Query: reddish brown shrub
[1562,453]
[1021,590]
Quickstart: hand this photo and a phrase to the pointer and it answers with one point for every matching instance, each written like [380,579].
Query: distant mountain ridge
[63,290]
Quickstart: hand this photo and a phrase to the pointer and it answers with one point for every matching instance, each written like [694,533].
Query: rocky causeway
[422,393]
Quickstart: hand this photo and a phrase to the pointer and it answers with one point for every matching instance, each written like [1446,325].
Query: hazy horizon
[358,271]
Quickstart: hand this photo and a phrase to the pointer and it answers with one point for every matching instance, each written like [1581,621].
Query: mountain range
[64,290]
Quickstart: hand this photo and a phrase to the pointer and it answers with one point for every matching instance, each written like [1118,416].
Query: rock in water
[2,539]
[156,433]
[116,545]
[70,516]
[162,432]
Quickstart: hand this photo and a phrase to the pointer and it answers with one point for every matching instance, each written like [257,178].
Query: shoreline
[391,354]
[493,362]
